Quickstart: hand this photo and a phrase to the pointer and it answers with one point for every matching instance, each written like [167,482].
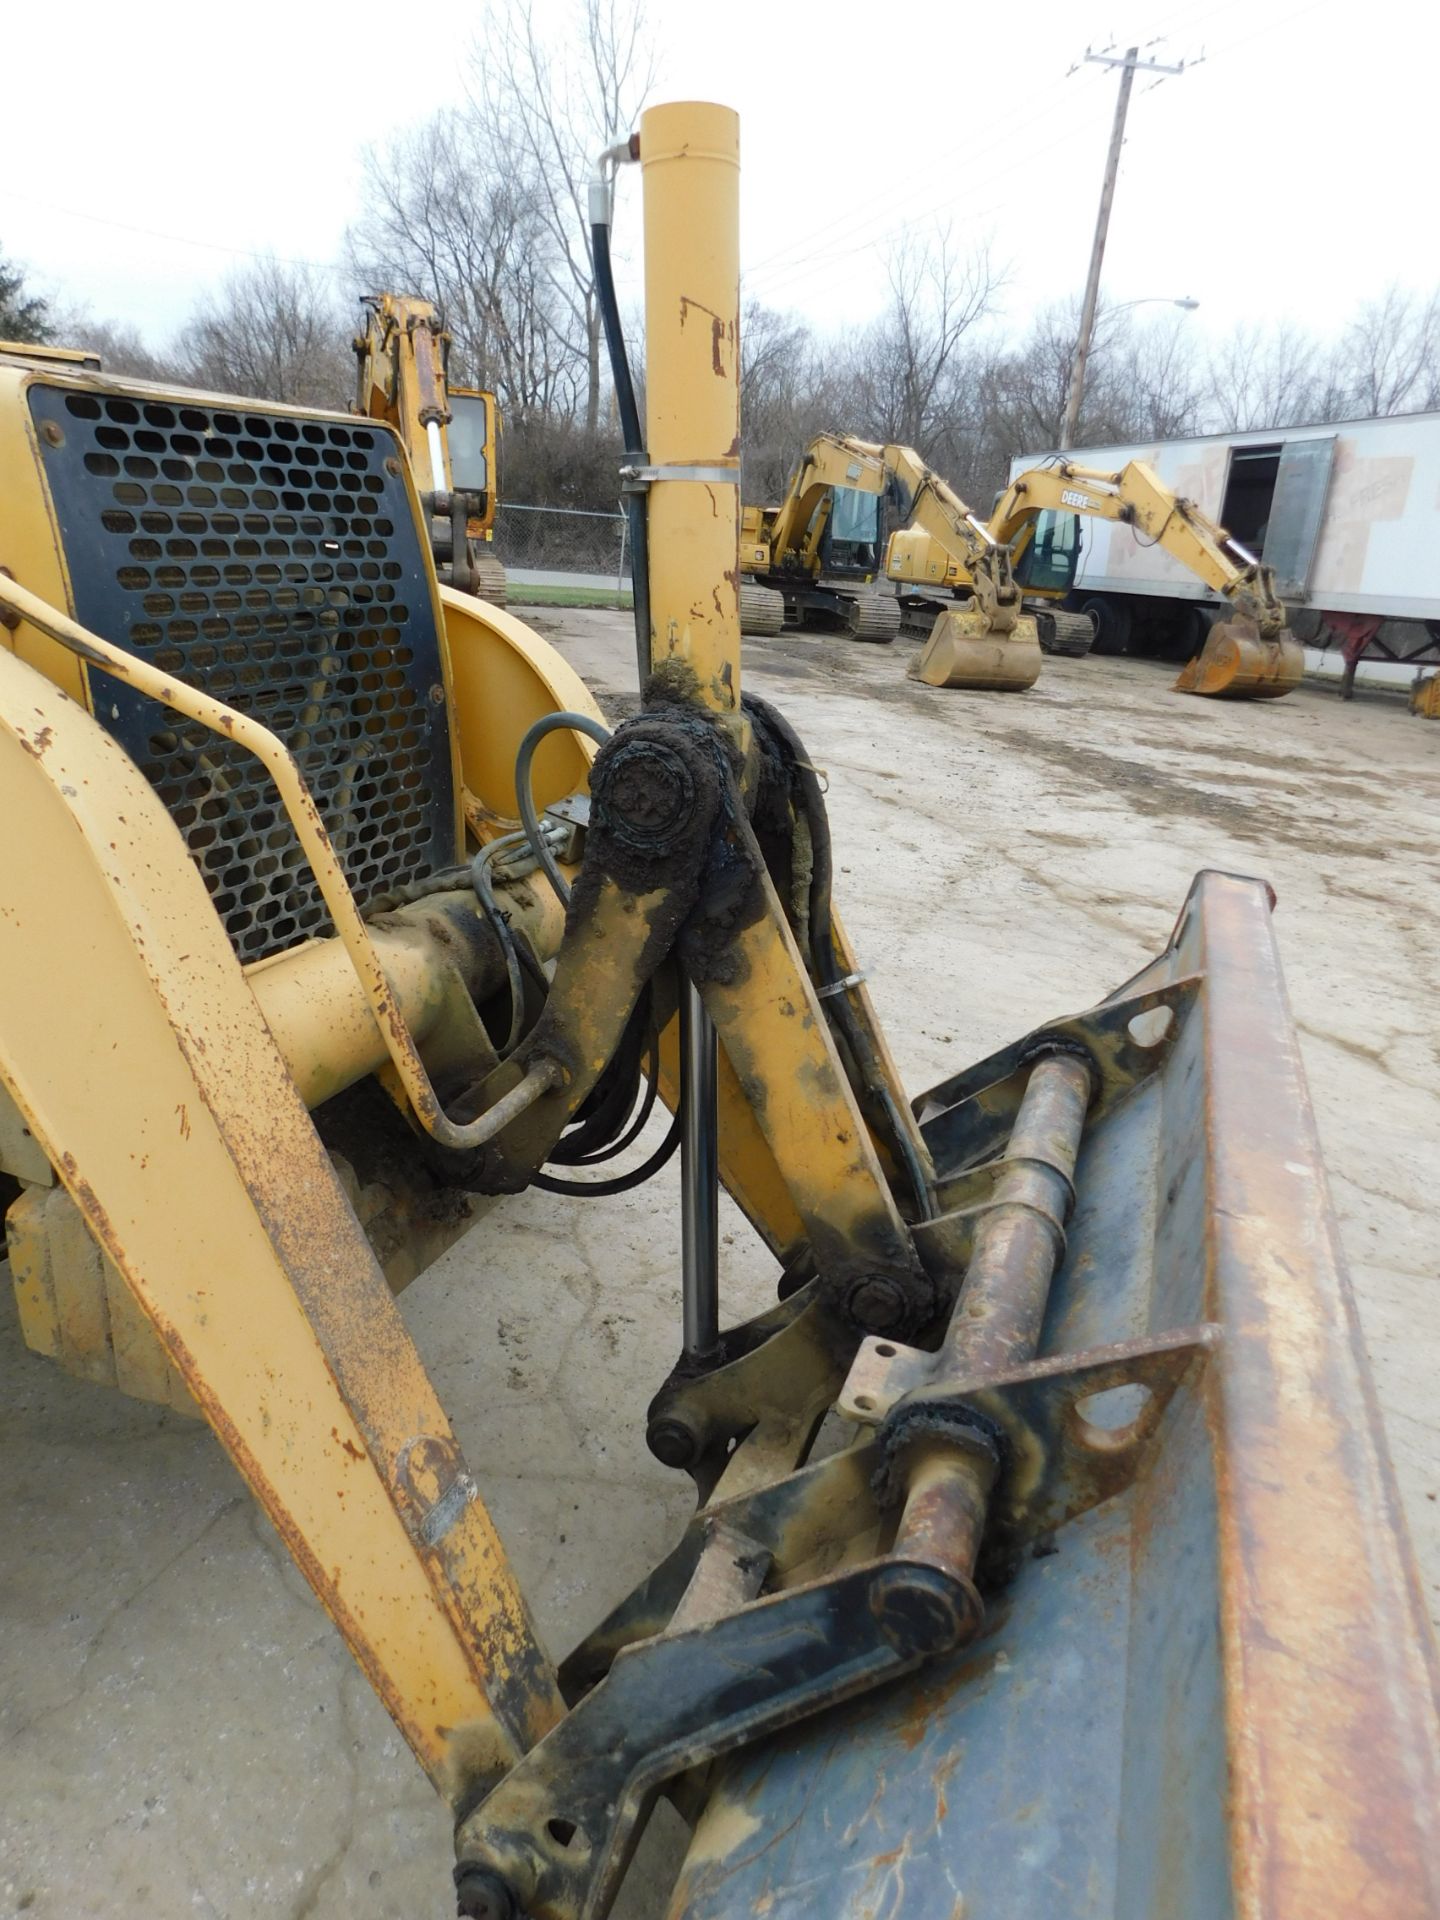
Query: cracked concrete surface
[181,1732]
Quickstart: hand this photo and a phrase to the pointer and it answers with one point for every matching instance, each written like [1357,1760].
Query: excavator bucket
[1238,663]
[965,651]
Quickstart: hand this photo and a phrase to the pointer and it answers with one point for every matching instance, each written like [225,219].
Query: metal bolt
[480,1894]
[672,1443]
[392,467]
[53,433]
[877,1303]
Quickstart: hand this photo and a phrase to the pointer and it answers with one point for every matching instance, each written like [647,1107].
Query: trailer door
[1296,512]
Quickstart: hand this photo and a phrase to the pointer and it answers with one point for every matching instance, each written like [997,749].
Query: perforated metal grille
[274,563]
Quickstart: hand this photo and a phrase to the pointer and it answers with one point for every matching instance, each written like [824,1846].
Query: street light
[1082,353]
[1187,305]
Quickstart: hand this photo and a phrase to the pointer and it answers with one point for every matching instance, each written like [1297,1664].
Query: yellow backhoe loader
[1250,655]
[331,910]
[814,558]
[451,434]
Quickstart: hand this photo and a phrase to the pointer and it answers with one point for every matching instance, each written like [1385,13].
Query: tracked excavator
[1046,1558]
[451,434]
[814,560]
[1249,655]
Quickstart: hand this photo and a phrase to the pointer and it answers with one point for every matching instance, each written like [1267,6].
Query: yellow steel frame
[144,1067]
[153,1072]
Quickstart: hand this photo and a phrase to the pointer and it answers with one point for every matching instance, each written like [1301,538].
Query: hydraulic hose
[587,1150]
[630,429]
[500,927]
[524,792]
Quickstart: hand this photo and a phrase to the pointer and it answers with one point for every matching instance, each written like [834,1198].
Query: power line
[174,239]
[797,265]
[769,279]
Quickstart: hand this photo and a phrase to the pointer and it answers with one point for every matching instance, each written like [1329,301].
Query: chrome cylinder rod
[699,1175]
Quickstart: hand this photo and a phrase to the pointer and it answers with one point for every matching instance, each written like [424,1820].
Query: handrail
[304,816]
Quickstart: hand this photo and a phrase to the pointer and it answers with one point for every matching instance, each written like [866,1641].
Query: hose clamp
[637,477]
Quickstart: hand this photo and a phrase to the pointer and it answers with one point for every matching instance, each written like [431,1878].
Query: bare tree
[1389,357]
[549,107]
[121,348]
[1266,377]
[273,330]
[905,363]
[781,402]
[445,219]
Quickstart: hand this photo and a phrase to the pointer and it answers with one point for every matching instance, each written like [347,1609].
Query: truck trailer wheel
[1112,624]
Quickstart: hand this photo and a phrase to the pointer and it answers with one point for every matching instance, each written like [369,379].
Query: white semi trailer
[1348,515]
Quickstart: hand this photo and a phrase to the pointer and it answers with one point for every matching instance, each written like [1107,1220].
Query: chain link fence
[563,540]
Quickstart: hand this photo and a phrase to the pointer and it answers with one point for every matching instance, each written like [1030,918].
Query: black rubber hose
[607,1107]
[500,927]
[636,1127]
[524,794]
[634,437]
[623,1182]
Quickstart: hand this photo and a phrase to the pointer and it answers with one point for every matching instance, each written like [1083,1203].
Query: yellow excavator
[451,434]
[1045,1558]
[814,559]
[1250,655]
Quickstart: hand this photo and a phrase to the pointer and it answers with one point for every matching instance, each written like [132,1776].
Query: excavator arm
[1250,655]
[403,356]
[1138,497]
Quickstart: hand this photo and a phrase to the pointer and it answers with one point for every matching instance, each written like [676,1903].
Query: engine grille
[274,563]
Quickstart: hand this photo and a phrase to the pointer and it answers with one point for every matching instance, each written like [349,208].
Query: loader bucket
[964,651]
[1214,1691]
[1237,663]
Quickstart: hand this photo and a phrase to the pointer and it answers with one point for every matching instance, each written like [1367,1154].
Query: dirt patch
[1150,789]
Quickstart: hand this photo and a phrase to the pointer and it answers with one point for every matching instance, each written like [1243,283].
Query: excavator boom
[1250,654]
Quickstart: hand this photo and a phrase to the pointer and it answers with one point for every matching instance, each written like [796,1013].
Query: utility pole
[1129,66]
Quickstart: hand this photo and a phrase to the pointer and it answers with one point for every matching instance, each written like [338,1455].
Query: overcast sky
[1289,174]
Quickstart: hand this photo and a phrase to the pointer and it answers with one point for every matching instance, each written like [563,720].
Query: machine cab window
[471,436]
[852,539]
[1048,563]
